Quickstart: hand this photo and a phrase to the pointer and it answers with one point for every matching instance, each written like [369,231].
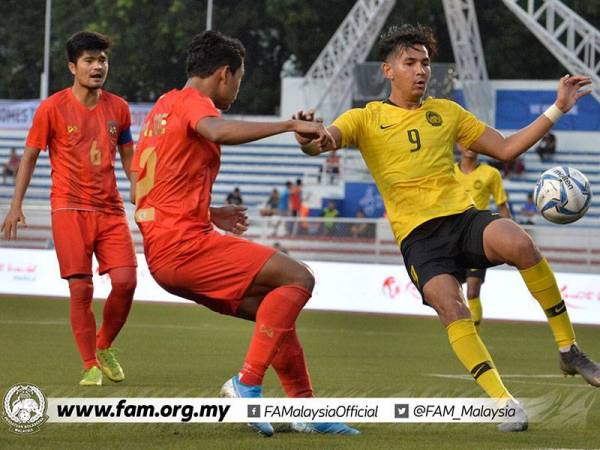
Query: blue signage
[516,108]
[363,196]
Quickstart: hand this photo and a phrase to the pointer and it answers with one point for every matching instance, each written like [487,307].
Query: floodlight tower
[327,84]
[468,55]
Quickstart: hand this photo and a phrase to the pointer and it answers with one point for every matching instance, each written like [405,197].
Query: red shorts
[215,270]
[78,234]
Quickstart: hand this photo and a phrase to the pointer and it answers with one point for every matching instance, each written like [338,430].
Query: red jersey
[82,145]
[296,198]
[176,170]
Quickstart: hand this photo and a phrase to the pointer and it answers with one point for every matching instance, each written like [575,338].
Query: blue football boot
[233,388]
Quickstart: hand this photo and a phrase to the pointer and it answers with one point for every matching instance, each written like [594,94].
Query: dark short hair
[406,36]
[210,50]
[83,41]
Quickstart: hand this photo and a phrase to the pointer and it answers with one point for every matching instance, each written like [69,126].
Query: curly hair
[210,50]
[406,36]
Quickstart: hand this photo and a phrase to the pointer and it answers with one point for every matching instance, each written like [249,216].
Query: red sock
[290,365]
[275,317]
[118,305]
[83,323]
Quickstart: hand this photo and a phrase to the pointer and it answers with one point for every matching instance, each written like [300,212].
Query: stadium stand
[257,168]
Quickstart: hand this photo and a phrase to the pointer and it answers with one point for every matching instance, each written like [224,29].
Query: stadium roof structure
[571,39]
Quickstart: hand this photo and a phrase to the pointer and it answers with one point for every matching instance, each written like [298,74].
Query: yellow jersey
[410,154]
[481,183]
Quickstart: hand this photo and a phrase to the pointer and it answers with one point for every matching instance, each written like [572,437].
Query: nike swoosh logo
[383,127]
[560,309]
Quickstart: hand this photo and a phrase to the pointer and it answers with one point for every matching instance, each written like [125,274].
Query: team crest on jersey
[112,127]
[478,184]
[434,118]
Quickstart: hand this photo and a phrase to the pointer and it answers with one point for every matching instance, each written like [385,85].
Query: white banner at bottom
[239,410]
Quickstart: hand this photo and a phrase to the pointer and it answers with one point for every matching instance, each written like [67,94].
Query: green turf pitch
[188,351]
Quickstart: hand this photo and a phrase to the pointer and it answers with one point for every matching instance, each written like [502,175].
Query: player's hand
[307,116]
[231,218]
[314,133]
[9,227]
[569,91]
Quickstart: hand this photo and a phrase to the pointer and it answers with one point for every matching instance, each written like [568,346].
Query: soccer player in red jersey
[83,126]
[177,160]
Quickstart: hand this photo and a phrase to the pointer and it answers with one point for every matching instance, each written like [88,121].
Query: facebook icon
[253,411]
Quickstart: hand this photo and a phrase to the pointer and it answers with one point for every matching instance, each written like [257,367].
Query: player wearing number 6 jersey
[407,143]
[82,126]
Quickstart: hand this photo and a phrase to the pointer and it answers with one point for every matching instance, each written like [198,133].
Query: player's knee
[452,310]
[124,288]
[305,278]
[525,252]
[81,290]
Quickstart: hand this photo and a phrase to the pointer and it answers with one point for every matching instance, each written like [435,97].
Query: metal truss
[328,83]
[569,37]
[468,55]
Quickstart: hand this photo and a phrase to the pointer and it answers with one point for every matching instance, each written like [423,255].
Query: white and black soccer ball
[562,195]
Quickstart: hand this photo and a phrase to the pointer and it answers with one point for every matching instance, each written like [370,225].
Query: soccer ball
[562,195]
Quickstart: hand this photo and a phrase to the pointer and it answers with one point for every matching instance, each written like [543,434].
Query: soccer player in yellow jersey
[480,181]
[407,143]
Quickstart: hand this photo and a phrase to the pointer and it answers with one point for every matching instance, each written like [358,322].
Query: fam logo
[25,408]
[434,119]
[478,185]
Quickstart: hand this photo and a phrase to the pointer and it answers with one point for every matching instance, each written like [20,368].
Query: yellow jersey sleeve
[350,125]
[470,128]
[497,189]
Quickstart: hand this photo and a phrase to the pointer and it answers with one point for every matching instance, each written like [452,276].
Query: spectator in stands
[332,166]
[362,229]
[234,197]
[11,166]
[547,147]
[283,208]
[272,205]
[284,199]
[296,198]
[528,211]
[330,213]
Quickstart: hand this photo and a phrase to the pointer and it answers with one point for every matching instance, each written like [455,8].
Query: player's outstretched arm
[15,213]
[233,132]
[494,144]
[308,144]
